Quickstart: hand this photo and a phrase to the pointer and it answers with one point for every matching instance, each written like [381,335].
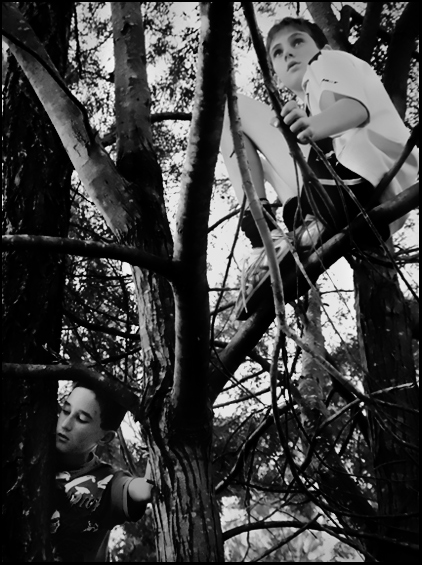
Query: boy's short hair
[302,25]
[111,412]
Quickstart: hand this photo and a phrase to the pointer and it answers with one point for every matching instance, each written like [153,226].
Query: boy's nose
[67,424]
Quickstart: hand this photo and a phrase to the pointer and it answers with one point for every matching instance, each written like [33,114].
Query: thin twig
[288,539]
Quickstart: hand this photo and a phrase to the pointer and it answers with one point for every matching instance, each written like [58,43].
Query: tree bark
[324,17]
[365,45]
[186,513]
[36,188]
[399,55]
[386,350]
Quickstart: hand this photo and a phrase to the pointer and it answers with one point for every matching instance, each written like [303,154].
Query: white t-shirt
[371,149]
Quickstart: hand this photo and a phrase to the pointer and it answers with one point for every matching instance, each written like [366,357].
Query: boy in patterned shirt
[91,496]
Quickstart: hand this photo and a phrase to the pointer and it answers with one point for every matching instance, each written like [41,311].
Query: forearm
[140,490]
[343,115]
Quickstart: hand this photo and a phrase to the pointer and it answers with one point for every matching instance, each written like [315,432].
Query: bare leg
[277,167]
[230,160]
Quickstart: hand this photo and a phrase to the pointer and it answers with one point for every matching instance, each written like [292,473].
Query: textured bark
[324,17]
[386,350]
[186,513]
[36,186]
[399,55]
[364,46]
[192,318]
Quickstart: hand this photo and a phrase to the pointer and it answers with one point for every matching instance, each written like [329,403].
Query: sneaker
[256,274]
[309,235]
[255,271]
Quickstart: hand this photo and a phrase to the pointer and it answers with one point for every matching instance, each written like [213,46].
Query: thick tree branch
[93,165]
[251,331]
[133,120]
[349,13]
[81,248]
[324,17]
[115,389]
[41,56]
[191,288]
[399,55]
[364,46]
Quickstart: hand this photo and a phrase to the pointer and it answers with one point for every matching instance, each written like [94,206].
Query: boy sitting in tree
[91,497]
[347,112]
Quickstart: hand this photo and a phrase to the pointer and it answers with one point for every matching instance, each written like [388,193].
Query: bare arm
[338,115]
[139,489]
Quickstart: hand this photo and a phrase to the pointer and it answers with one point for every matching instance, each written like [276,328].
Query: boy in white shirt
[347,113]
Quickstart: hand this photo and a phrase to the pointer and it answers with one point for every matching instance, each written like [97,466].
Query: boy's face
[290,52]
[78,428]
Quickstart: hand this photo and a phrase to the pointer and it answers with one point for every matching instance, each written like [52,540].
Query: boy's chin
[63,447]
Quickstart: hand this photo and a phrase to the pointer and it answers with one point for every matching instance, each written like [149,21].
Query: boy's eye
[297,41]
[277,52]
[80,418]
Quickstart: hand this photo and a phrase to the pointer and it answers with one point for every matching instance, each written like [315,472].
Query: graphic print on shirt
[85,491]
[80,497]
[55,522]
[92,527]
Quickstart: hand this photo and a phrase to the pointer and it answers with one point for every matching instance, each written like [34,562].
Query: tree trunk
[386,349]
[36,201]
[185,510]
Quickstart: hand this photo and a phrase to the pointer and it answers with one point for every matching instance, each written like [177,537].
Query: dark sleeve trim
[314,58]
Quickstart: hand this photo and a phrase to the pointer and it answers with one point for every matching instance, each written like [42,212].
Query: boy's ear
[328,47]
[108,437]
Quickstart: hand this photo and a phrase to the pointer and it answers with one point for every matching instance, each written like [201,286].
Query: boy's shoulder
[336,56]
[337,68]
